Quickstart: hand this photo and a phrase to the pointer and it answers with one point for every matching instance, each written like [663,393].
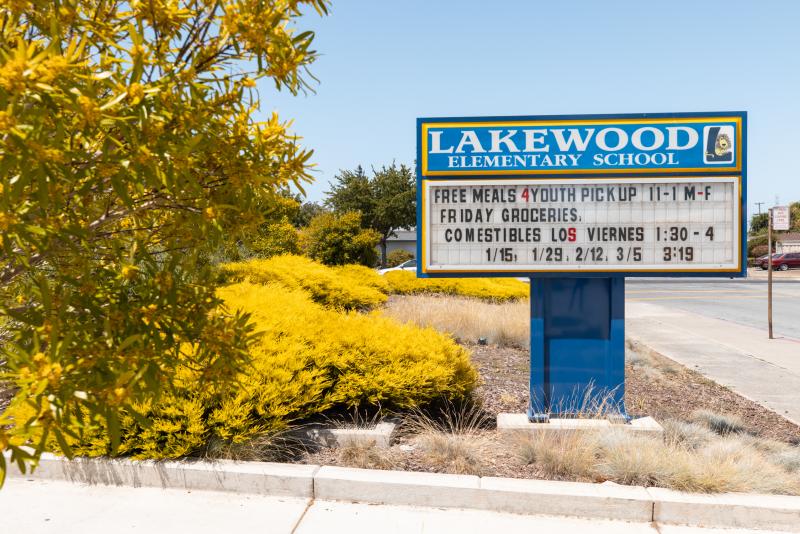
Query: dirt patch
[496,458]
[664,389]
[505,373]
[654,385]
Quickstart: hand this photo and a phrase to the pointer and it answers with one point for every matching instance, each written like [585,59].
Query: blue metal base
[577,347]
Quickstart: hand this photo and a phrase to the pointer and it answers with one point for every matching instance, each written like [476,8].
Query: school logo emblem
[719,144]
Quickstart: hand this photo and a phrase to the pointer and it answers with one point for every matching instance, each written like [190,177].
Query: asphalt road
[740,302]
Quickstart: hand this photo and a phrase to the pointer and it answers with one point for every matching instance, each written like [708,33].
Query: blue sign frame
[671,130]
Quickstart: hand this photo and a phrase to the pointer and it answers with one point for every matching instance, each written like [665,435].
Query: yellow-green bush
[348,287]
[307,359]
[359,287]
[499,289]
[176,427]
[396,257]
[359,274]
[310,359]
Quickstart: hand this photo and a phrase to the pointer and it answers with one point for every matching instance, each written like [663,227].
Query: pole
[769,271]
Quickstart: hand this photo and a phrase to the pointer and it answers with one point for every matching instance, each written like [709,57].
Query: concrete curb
[530,497]
[596,501]
[295,480]
[397,487]
[726,510]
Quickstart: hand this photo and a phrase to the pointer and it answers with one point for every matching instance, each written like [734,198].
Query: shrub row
[347,287]
[497,289]
[307,359]
[359,287]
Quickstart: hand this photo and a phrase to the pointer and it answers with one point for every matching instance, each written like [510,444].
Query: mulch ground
[654,385]
[658,386]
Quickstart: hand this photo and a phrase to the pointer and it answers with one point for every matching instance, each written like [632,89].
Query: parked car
[410,265]
[782,262]
[761,261]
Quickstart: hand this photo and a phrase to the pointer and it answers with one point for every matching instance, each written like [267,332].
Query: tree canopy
[127,147]
[339,239]
[758,223]
[387,201]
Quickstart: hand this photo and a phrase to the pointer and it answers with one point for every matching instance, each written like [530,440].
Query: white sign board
[780,218]
[614,224]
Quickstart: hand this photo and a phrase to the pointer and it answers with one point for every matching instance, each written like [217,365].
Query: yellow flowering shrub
[306,359]
[359,287]
[348,287]
[309,359]
[362,275]
[132,144]
[172,427]
[499,289]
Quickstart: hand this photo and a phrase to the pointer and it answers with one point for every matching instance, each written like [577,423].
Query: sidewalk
[46,506]
[736,356]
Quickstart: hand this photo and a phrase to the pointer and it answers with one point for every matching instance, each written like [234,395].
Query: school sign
[578,203]
[627,194]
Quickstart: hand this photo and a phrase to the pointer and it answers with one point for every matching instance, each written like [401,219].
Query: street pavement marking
[743,290]
[685,297]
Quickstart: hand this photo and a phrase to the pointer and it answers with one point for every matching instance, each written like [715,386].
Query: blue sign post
[578,203]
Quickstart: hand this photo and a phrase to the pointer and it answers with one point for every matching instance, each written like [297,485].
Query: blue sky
[383,64]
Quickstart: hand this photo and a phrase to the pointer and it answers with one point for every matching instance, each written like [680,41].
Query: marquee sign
[621,195]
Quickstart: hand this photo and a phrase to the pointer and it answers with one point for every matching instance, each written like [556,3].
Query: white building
[403,240]
[786,243]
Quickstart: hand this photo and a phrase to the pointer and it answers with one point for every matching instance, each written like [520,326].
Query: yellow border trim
[738,243]
[653,170]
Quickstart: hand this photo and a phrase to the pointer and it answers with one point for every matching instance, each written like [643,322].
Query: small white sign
[780,218]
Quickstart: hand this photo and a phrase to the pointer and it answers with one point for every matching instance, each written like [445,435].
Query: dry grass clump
[466,319]
[779,453]
[690,436]
[452,438]
[561,455]
[590,402]
[281,446]
[722,424]
[639,460]
[731,464]
[450,453]
[689,457]
[364,455]
[788,459]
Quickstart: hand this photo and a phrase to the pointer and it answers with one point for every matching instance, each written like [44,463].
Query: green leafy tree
[757,246]
[269,238]
[276,239]
[759,223]
[387,201]
[340,239]
[794,214]
[396,257]
[127,147]
[306,212]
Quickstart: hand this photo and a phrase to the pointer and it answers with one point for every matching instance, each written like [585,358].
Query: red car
[782,262]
